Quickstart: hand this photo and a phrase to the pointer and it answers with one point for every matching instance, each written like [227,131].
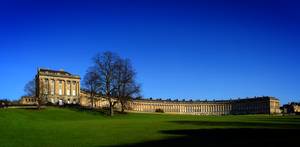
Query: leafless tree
[42,96]
[30,88]
[92,83]
[113,78]
[106,64]
[125,86]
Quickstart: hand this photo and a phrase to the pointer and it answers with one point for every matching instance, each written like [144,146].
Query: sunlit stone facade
[260,105]
[55,85]
[28,100]
[52,85]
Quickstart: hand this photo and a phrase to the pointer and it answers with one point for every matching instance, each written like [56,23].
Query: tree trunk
[111,108]
[39,103]
[122,107]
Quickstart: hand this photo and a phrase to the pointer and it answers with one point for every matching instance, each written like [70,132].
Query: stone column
[65,87]
[71,86]
[48,86]
[75,87]
[78,90]
[207,109]
[43,86]
[55,86]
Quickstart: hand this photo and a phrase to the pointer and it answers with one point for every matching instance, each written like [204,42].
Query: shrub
[159,110]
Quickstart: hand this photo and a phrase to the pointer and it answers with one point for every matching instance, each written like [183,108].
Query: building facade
[28,100]
[98,101]
[291,108]
[55,85]
[259,105]
[58,85]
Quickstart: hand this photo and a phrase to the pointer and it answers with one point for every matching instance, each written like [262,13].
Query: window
[52,87]
[73,89]
[46,82]
[60,88]
[68,87]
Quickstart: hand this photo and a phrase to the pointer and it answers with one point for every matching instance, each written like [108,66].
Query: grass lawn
[66,127]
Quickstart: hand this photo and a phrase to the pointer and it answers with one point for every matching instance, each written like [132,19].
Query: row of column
[55,87]
[184,108]
[226,108]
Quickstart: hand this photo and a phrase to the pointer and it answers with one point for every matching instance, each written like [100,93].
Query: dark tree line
[113,78]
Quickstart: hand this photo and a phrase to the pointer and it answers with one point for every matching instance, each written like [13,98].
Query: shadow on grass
[282,125]
[277,136]
[94,111]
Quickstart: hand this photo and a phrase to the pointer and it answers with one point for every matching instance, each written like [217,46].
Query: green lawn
[66,127]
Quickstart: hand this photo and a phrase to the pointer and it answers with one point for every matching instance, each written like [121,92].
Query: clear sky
[211,49]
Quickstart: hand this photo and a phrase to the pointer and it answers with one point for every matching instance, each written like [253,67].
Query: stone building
[99,102]
[54,85]
[260,105]
[291,108]
[28,100]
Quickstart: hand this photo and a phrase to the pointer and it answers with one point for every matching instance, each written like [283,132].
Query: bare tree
[30,88]
[106,63]
[125,86]
[114,78]
[42,95]
[92,82]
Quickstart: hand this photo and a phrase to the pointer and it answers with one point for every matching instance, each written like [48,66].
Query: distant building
[259,105]
[28,100]
[291,108]
[58,86]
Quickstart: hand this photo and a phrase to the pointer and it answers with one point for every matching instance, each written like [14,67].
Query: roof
[263,98]
[55,72]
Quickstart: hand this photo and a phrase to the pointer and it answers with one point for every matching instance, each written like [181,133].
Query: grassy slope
[64,127]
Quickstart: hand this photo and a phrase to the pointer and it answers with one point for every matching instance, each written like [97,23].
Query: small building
[28,100]
[291,108]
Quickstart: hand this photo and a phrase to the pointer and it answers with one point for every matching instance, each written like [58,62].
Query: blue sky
[211,49]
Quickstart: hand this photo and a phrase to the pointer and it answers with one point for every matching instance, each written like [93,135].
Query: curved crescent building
[55,85]
[258,105]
